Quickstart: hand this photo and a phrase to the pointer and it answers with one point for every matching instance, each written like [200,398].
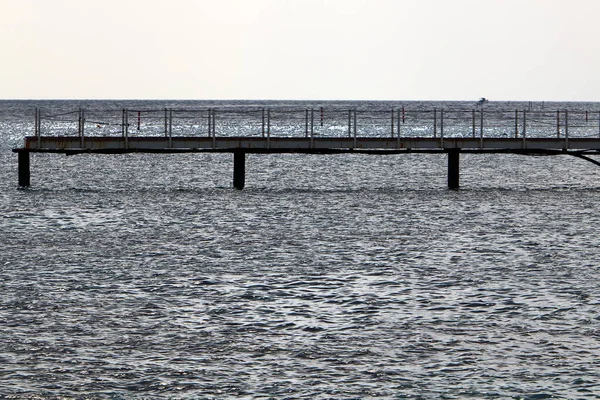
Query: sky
[530,50]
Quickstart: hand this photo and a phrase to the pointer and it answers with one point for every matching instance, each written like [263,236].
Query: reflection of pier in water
[247,130]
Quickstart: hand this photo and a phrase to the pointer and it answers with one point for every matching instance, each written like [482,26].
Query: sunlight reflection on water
[330,276]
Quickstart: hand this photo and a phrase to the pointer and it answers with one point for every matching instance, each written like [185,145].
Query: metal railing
[269,123]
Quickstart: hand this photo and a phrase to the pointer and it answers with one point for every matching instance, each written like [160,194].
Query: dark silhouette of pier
[246,130]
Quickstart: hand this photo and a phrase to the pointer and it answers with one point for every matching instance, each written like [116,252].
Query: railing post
[81,126]
[524,128]
[516,124]
[312,128]
[268,128]
[558,124]
[473,123]
[349,123]
[434,123]
[166,123]
[322,115]
[481,128]
[36,116]
[355,129]
[170,128]
[214,119]
[399,131]
[566,129]
[37,127]
[40,122]
[263,123]
[392,123]
[214,129]
[442,128]
[306,123]
[126,125]
[209,122]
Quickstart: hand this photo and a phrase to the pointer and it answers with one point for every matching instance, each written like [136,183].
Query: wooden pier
[313,131]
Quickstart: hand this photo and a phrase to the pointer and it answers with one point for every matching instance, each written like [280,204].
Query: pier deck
[296,131]
[69,144]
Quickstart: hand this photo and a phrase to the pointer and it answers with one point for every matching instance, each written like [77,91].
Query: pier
[246,130]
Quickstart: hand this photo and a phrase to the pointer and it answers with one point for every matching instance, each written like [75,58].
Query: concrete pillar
[24,170]
[239,169]
[453,169]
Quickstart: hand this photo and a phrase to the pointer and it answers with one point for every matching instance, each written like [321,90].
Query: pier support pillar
[453,169]
[24,169]
[239,169]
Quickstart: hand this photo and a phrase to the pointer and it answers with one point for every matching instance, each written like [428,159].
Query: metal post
[40,122]
[312,128]
[392,123]
[239,169]
[516,124]
[524,128]
[263,123]
[38,125]
[268,128]
[355,129]
[442,127]
[349,123]
[454,169]
[434,123]
[209,129]
[36,116]
[306,123]
[558,123]
[214,129]
[398,127]
[566,129]
[24,169]
[322,115]
[473,123]
[481,128]
[214,122]
[80,127]
[166,123]
[170,128]
[126,124]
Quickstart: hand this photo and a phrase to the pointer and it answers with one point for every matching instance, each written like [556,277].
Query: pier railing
[319,122]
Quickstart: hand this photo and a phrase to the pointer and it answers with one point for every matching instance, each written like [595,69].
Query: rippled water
[147,276]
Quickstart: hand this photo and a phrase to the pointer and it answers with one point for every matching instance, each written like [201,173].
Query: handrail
[313,122]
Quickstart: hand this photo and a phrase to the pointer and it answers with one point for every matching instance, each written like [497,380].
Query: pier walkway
[247,130]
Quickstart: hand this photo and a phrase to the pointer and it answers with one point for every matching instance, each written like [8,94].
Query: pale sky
[300,49]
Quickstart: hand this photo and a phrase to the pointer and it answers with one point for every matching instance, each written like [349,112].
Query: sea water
[339,276]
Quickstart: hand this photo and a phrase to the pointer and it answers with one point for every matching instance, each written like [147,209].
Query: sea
[347,276]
